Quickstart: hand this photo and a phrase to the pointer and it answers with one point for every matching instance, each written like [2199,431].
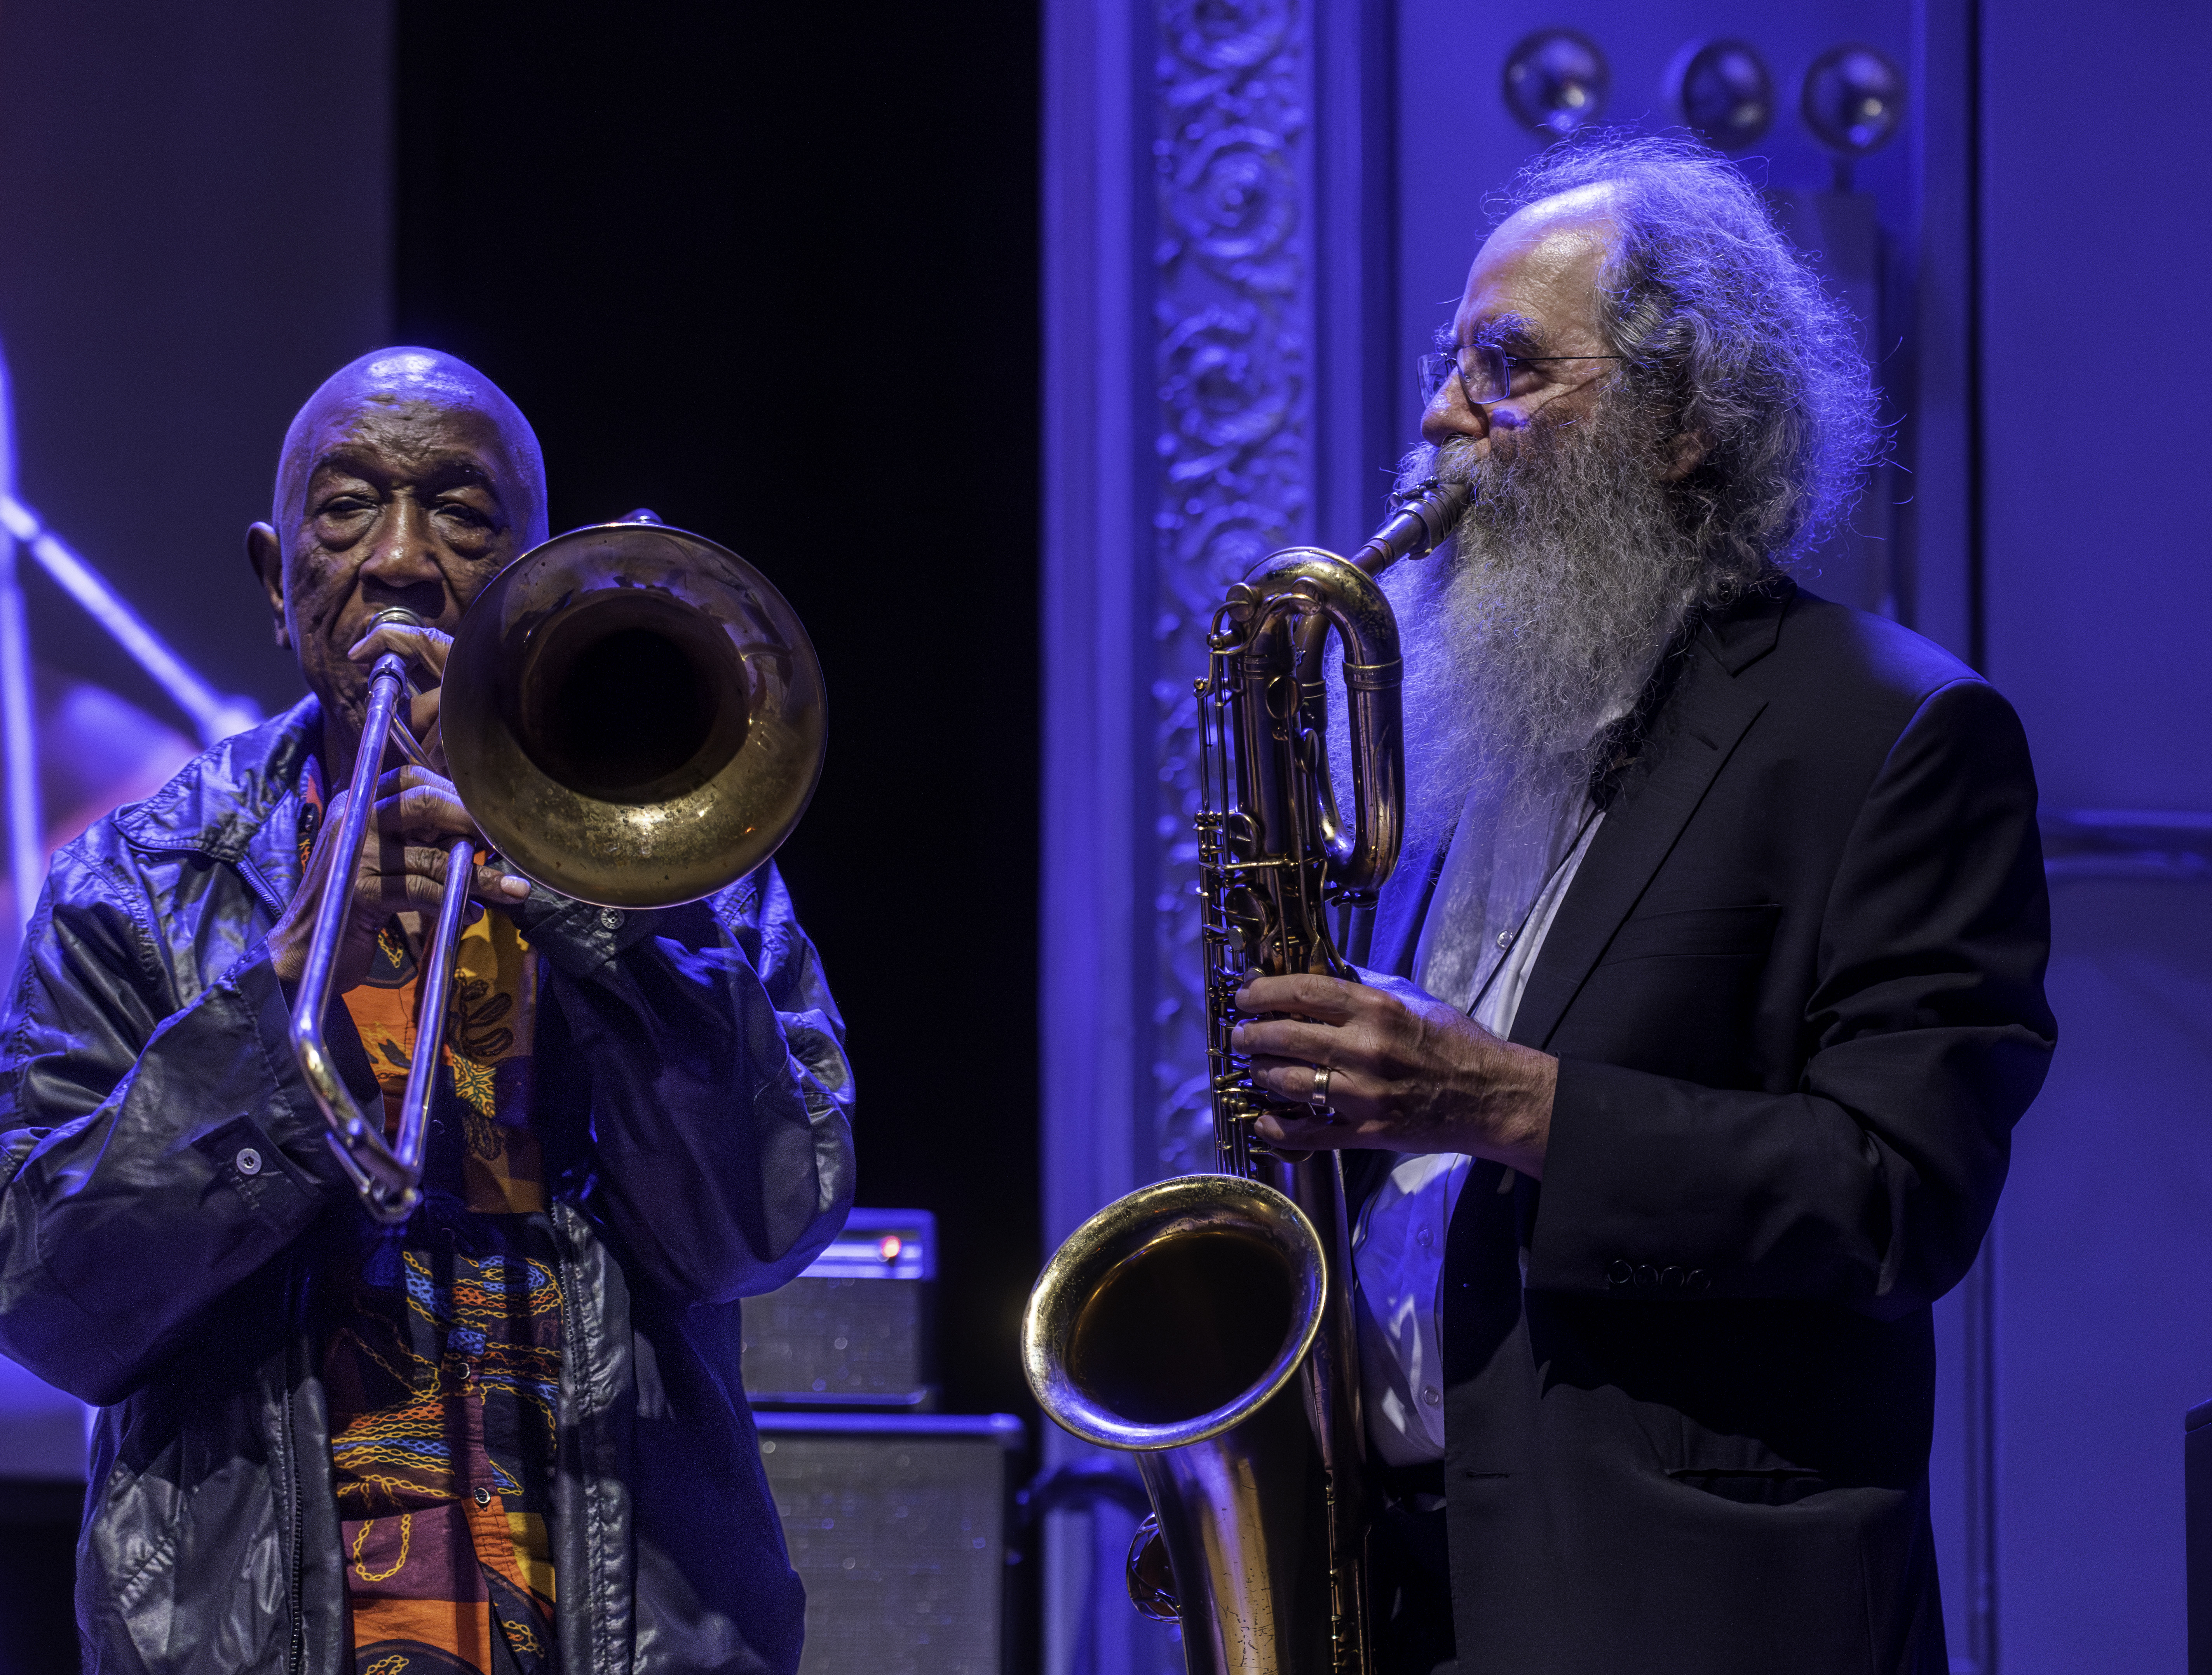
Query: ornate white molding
[1217,285]
[1233,316]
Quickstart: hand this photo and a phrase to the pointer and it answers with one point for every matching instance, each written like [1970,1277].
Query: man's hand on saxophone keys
[1395,1069]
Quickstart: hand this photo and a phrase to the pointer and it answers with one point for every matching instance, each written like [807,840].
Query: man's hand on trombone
[418,816]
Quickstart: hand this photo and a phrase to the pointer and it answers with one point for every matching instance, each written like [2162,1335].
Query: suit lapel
[1395,926]
[1697,730]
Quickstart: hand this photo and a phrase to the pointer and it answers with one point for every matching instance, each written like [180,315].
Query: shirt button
[1618,1272]
[610,919]
[1647,1276]
[1699,1280]
[248,1161]
[1425,1238]
[1505,939]
[483,1497]
[1432,1396]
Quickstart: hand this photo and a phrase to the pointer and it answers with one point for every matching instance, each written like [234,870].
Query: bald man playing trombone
[507,1435]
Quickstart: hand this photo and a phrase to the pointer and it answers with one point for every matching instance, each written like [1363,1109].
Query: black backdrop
[771,271]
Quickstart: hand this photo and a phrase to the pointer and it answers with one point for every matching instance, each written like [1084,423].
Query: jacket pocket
[1743,932]
[1678,994]
[1778,1488]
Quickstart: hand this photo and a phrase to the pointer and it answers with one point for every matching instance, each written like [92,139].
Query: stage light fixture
[1854,100]
[1724,91]
[1556,81]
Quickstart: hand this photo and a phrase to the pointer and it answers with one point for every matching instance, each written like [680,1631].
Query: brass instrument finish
[633,716]
[1258,1499]
[1170,1323]
[388,1177]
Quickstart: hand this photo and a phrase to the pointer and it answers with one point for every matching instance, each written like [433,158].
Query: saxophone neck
[1419,520]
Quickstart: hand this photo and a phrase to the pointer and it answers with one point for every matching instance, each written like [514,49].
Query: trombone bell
[633,715]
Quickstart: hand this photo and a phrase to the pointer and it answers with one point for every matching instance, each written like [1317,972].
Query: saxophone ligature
[1177,1322]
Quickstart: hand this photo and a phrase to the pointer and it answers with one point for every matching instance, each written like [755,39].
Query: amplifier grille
[897,1528]
[831,1340]
[854,1330]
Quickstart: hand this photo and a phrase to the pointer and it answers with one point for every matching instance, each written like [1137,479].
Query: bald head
[403,382]
[1583,214]
[407,481]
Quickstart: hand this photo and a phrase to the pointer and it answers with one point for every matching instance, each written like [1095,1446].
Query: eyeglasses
[1485,371]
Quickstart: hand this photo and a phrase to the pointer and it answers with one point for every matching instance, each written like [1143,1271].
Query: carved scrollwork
[1233,307]
[1227,389]
[1226,542]
[1237,201]
[1232,35]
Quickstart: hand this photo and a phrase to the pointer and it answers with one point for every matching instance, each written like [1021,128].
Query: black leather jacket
[693,1096]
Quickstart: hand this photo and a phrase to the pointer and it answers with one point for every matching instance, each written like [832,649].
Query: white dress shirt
[1478,946]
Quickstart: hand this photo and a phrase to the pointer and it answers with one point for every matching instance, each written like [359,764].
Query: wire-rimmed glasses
[1485,371]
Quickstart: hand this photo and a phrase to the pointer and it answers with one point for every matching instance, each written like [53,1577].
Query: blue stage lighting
[1556,81]
[1854,100]
[1724,91]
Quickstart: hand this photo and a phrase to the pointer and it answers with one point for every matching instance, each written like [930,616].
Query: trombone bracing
[633,716]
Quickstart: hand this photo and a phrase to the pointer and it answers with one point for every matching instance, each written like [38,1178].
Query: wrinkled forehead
[403,425]
[1540,267]
[405,430]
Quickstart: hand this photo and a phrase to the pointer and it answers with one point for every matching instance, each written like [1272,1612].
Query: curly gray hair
[1726,334]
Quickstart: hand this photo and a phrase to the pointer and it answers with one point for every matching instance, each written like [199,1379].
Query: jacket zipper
[295,1364]
[572,1346]
[296,1659]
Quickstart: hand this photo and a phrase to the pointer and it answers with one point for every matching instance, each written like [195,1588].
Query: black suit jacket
[1796,994]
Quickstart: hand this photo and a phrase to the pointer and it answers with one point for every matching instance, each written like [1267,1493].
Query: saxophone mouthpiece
[1420,520]
[1439,504]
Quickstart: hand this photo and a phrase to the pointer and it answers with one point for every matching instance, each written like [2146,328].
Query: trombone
[633,716]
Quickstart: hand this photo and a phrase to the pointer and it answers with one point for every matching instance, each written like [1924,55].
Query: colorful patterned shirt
[442,1359]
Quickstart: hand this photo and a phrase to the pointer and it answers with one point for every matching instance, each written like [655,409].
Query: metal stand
[27,861]
[214,716]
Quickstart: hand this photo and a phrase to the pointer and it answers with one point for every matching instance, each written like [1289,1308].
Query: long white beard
[1539,622]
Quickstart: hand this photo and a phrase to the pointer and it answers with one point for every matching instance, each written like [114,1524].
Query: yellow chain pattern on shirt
[406,1528]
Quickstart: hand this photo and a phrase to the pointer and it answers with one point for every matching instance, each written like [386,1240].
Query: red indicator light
[889,1246]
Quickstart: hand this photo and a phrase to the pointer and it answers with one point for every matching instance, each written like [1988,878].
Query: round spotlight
[1854,100]
[1556,81]
[1724,92]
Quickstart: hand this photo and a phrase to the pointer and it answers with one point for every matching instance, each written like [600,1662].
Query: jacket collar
[1745,632]
[1697,730]
[237,802]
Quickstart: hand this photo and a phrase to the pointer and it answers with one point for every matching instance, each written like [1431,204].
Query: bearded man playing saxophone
[1705,999]
[509,1436]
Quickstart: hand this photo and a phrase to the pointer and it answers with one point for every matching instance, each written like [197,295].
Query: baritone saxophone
[1205,1322]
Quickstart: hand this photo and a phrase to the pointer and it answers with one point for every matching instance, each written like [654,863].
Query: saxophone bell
[1172,1324]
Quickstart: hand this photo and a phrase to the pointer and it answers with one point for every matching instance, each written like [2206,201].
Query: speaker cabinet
[897,1524]
[854,1330]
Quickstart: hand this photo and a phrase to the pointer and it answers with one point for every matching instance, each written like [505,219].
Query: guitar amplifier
[854,1330]
[897,1525]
